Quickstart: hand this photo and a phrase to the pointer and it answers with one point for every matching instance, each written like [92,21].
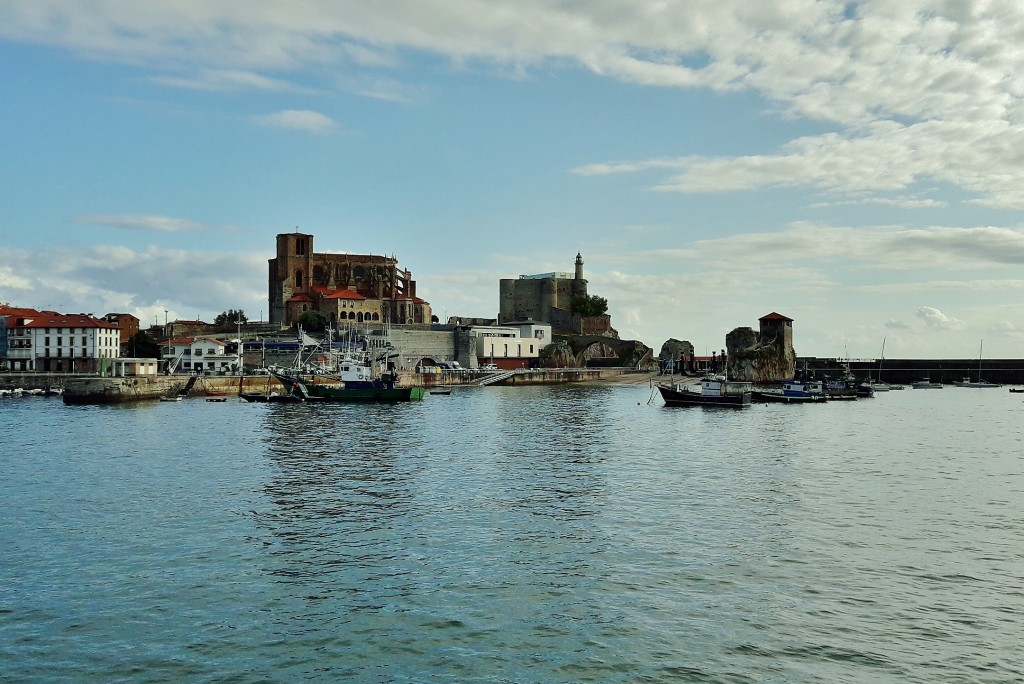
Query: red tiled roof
[301,297]
[18,311]
[773,316]
[50,319]
[179,341]
[339,294]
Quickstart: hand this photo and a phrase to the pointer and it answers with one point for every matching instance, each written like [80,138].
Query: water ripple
[550,534]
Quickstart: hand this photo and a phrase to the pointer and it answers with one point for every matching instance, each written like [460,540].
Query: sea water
[515,534]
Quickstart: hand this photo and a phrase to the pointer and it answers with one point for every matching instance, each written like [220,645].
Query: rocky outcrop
[575,351]
[752,359]
[558,354]
[672,349]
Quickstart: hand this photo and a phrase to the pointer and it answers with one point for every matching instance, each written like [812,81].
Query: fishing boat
[356,382]
[715,390]
[926,383]
[793,392]
[839,389]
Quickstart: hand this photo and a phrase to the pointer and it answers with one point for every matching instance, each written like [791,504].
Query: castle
[357,288]
[549,297]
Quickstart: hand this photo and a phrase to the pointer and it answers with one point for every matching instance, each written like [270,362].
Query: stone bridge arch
[629,352]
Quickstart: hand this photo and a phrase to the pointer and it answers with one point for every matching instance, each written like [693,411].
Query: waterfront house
[58,343]
[201,355]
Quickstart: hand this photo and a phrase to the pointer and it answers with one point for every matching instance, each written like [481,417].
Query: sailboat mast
[880,360]
[981,347]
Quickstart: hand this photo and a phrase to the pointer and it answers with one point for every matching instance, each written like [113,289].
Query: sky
[855,166]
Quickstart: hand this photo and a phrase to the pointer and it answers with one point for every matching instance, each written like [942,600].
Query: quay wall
[906,371]
[524,376]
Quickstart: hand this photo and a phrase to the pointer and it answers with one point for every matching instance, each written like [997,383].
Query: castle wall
[414,345]
[539,299]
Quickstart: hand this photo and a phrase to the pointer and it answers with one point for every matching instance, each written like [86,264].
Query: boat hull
[682,397]
[367,391]
[779,397]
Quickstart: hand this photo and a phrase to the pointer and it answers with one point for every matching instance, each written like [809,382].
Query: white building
[202,355]
[53,342]
[510,346]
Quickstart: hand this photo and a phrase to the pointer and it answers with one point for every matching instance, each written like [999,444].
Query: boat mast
[981,346]
[881,360]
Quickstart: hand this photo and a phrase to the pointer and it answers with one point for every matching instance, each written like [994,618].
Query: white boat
[793,391]
[926,383]
[967,382]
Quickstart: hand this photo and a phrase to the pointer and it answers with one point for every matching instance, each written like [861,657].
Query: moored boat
[967,382]
[356,383]
[714,391]
[793,392]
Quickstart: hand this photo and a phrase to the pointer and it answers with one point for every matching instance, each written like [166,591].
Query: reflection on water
[515,534]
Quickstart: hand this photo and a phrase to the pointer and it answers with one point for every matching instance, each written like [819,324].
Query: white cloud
[222,80]
[142,222]
[889,247]
[298,120]
[103,279]
[933,318]
[918,90]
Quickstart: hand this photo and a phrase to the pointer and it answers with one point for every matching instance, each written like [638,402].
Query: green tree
[141,345]
[589,305]
[231,316]
[313,321]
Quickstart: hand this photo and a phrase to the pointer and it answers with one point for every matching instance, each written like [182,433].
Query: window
[298,278]
[198,352]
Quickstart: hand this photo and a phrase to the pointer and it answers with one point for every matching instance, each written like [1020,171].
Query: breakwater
[946,371]
[92,389]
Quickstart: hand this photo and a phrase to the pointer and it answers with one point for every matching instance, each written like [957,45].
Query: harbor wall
[906,371]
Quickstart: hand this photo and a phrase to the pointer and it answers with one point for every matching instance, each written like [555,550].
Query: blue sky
[856,166]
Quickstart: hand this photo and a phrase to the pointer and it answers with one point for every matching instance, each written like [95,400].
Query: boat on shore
[715,390]
[793,392]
